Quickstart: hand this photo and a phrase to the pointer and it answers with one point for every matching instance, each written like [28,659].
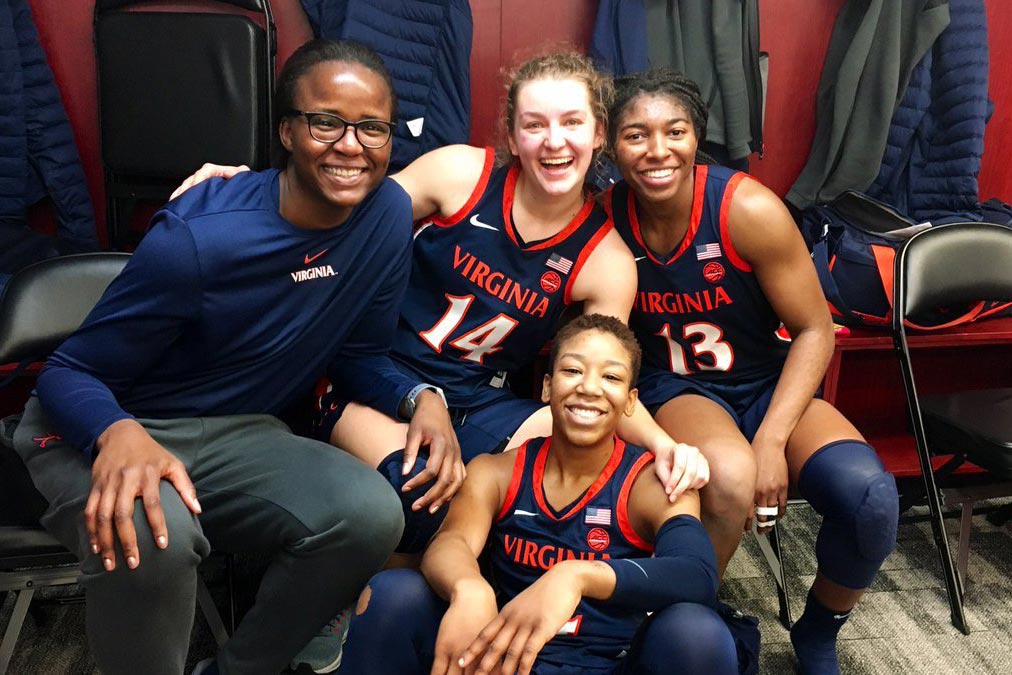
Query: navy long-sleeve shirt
[227,308]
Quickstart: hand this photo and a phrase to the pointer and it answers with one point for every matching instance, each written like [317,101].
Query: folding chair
[954,265]
[39,308]
[177,89]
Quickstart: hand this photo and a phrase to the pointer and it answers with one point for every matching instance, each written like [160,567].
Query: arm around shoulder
[441,181]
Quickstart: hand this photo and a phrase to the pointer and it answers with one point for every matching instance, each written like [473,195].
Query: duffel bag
[854,240]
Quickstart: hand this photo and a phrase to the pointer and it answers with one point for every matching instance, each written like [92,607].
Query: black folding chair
[951,266]
[177,89]
[39,308]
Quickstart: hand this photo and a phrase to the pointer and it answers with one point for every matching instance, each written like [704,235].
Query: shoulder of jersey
[390,205]
[721,173]
[244,191]
[391,192]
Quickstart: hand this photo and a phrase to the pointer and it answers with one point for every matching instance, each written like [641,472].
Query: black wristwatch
[406,409]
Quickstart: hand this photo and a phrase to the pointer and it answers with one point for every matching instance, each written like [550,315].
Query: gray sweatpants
[327,521]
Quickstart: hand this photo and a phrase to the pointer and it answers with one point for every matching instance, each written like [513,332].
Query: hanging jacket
[38,157]
[715,43]
[872,52]
[618,43]
[426,45]
[936,137]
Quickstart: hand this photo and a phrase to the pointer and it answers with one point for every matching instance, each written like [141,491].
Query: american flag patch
[596,515]
[707,251]
[557,262]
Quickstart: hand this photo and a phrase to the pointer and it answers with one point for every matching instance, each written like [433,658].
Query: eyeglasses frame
[308,115]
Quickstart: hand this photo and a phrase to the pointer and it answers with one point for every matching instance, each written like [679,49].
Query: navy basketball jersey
[529,537]
[481,302]
[699,310]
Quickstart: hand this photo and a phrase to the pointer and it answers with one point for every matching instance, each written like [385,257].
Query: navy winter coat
[426,45]
[37,152]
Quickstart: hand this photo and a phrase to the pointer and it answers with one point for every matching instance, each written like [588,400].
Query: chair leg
[230,578]
[24,599]
[769,546]
[953,588]
[963,551]
[210,611]
[785,601]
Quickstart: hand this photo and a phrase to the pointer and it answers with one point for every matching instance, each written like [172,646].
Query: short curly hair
[605,324]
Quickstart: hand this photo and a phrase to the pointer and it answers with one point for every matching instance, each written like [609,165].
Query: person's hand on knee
[431,426]
[681,467]
[771,484]
[130,464]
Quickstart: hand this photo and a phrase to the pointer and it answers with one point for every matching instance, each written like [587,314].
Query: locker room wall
[794,32]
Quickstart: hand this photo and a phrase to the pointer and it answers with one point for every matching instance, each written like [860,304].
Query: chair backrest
[178,88]
[949,265]
[44,303]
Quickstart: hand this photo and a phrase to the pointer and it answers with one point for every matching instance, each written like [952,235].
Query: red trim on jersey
[507,215]
[577,620]
[584,254]
[515,479]
[698,194]
[725,228]
[622,508]
[595,487]
[476,194]
[607,197]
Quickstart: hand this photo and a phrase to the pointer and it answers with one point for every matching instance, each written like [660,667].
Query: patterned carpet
[901,625]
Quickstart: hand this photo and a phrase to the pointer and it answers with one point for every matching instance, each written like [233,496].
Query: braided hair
[658,82]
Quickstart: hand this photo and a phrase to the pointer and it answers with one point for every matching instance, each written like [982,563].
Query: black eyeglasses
[328,128]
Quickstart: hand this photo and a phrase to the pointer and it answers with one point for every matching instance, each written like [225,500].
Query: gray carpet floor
[900,626]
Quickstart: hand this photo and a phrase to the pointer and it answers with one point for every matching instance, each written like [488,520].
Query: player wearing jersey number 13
[721,265]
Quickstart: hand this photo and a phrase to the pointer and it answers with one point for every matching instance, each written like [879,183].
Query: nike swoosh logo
[484,226]
[639,258]
[311,258]
[521,512]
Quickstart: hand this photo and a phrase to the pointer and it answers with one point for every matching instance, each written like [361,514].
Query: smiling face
[327,180]
[655,147]
[590,387]
[554,134]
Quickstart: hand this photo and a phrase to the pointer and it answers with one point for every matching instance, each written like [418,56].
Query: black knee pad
[847,484]
[419,526]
